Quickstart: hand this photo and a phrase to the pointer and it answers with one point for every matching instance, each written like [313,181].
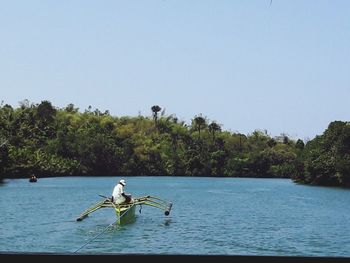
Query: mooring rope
[104,230]
[57,222]
[94,237]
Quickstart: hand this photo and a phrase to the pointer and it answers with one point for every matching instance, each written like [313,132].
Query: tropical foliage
[51,141]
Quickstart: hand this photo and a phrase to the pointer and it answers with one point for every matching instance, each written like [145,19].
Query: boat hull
[126,214]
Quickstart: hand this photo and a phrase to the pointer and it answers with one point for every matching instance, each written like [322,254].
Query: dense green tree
[326,157]
[50,141]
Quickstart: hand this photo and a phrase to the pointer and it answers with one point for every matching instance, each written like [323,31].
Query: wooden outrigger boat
[125,212]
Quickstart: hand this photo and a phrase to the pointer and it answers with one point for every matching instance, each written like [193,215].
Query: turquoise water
[219,216]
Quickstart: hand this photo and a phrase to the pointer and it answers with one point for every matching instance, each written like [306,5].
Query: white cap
[122,181]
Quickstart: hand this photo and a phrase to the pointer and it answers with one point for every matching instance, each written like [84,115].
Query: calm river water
[219,216]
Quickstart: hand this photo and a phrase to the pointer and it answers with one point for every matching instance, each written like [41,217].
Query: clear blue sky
[245,64]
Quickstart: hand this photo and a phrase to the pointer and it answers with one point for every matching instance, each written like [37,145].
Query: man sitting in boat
[118,195]
[32,178]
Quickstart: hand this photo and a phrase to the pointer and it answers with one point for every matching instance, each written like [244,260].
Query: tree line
[40,139]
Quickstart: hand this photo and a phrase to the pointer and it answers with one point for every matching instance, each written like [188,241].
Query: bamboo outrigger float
[125,212]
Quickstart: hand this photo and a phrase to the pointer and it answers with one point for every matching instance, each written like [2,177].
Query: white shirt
[117,194]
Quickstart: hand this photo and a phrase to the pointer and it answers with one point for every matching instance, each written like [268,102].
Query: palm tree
[213,128]
[199,122]
[155,109]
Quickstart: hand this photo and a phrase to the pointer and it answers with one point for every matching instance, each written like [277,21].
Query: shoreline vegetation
[49,141]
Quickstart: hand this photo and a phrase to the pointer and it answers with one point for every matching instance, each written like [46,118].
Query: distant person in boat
[118,195]
[32,178]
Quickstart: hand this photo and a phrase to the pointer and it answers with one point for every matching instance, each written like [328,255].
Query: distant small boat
[33,179]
